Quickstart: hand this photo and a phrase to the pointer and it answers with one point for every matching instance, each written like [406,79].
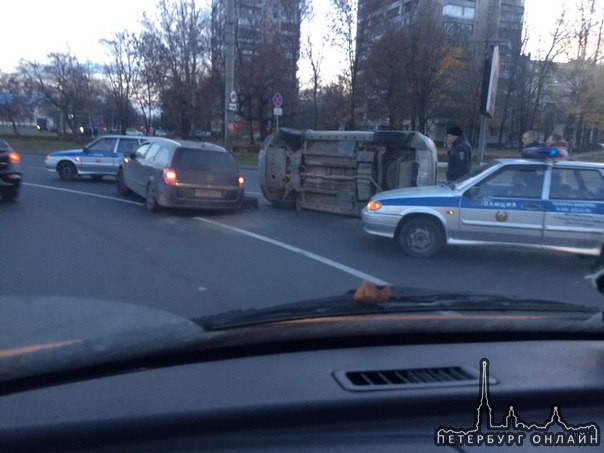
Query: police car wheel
[421,238]
[67,171]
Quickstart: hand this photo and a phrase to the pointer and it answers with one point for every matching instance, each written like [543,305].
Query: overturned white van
[339,171]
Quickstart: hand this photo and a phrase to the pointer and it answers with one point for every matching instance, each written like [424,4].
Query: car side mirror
[132,156]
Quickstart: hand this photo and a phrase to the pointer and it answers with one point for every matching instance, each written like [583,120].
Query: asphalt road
[83,239]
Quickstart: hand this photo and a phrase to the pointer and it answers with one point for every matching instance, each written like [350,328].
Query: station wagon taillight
[14,157]
[240,181]
[170,176]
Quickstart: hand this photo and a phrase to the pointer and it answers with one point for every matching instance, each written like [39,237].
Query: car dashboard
[383,397]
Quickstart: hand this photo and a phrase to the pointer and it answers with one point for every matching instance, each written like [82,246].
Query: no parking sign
[277,100]
[277,103]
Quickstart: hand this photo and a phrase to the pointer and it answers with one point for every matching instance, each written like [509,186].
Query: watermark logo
[513,431]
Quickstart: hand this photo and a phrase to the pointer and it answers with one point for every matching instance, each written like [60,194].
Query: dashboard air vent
[361,381]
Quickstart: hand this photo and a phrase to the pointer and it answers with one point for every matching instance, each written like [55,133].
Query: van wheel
[290,136]
[421,238]
[151,199]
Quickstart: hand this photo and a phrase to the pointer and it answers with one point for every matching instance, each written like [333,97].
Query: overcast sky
[31,29]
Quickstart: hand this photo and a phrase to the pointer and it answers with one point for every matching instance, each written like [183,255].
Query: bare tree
[292,15]
[15,101]
[122,75]
[64,84]
[582,76]
[151,80]
[314,55]
[384,80]
[408,71]
[334,105]
[542,70]
[181,31]
[346,35]
[531,99]
[429,63]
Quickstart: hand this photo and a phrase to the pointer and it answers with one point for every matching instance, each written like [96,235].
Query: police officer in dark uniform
[460,154]
[529,140]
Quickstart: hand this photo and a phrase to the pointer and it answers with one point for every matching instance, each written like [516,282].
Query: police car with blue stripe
[100,158]
[536,203]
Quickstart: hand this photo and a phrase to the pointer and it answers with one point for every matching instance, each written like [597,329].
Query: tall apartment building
[474,26]
[259,22]
[267,49]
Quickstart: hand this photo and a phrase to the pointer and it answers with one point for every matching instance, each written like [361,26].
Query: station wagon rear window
[203,160]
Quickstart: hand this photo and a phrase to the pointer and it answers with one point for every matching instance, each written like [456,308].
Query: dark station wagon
[182,174]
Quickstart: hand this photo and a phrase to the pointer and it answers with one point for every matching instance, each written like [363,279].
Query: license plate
[207,193]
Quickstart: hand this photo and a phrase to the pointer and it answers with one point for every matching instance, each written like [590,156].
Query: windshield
[319,174]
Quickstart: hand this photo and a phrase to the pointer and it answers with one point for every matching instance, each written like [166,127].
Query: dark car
[10,172]
[182,174]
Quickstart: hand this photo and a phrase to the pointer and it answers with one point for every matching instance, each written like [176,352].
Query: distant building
[267,49]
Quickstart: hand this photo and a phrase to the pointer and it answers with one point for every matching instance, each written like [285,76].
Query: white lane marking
[105,197]
[255,194]
[291,248]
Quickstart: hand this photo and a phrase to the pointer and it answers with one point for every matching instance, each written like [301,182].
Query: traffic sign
[277,100]
[233,97]
[277,111]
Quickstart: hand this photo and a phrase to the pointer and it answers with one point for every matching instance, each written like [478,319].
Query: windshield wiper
[407,300]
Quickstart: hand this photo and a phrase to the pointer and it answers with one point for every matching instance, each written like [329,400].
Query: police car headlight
[374,206]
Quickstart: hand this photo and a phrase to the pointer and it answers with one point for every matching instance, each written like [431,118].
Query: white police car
[99,158]
[542,204]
